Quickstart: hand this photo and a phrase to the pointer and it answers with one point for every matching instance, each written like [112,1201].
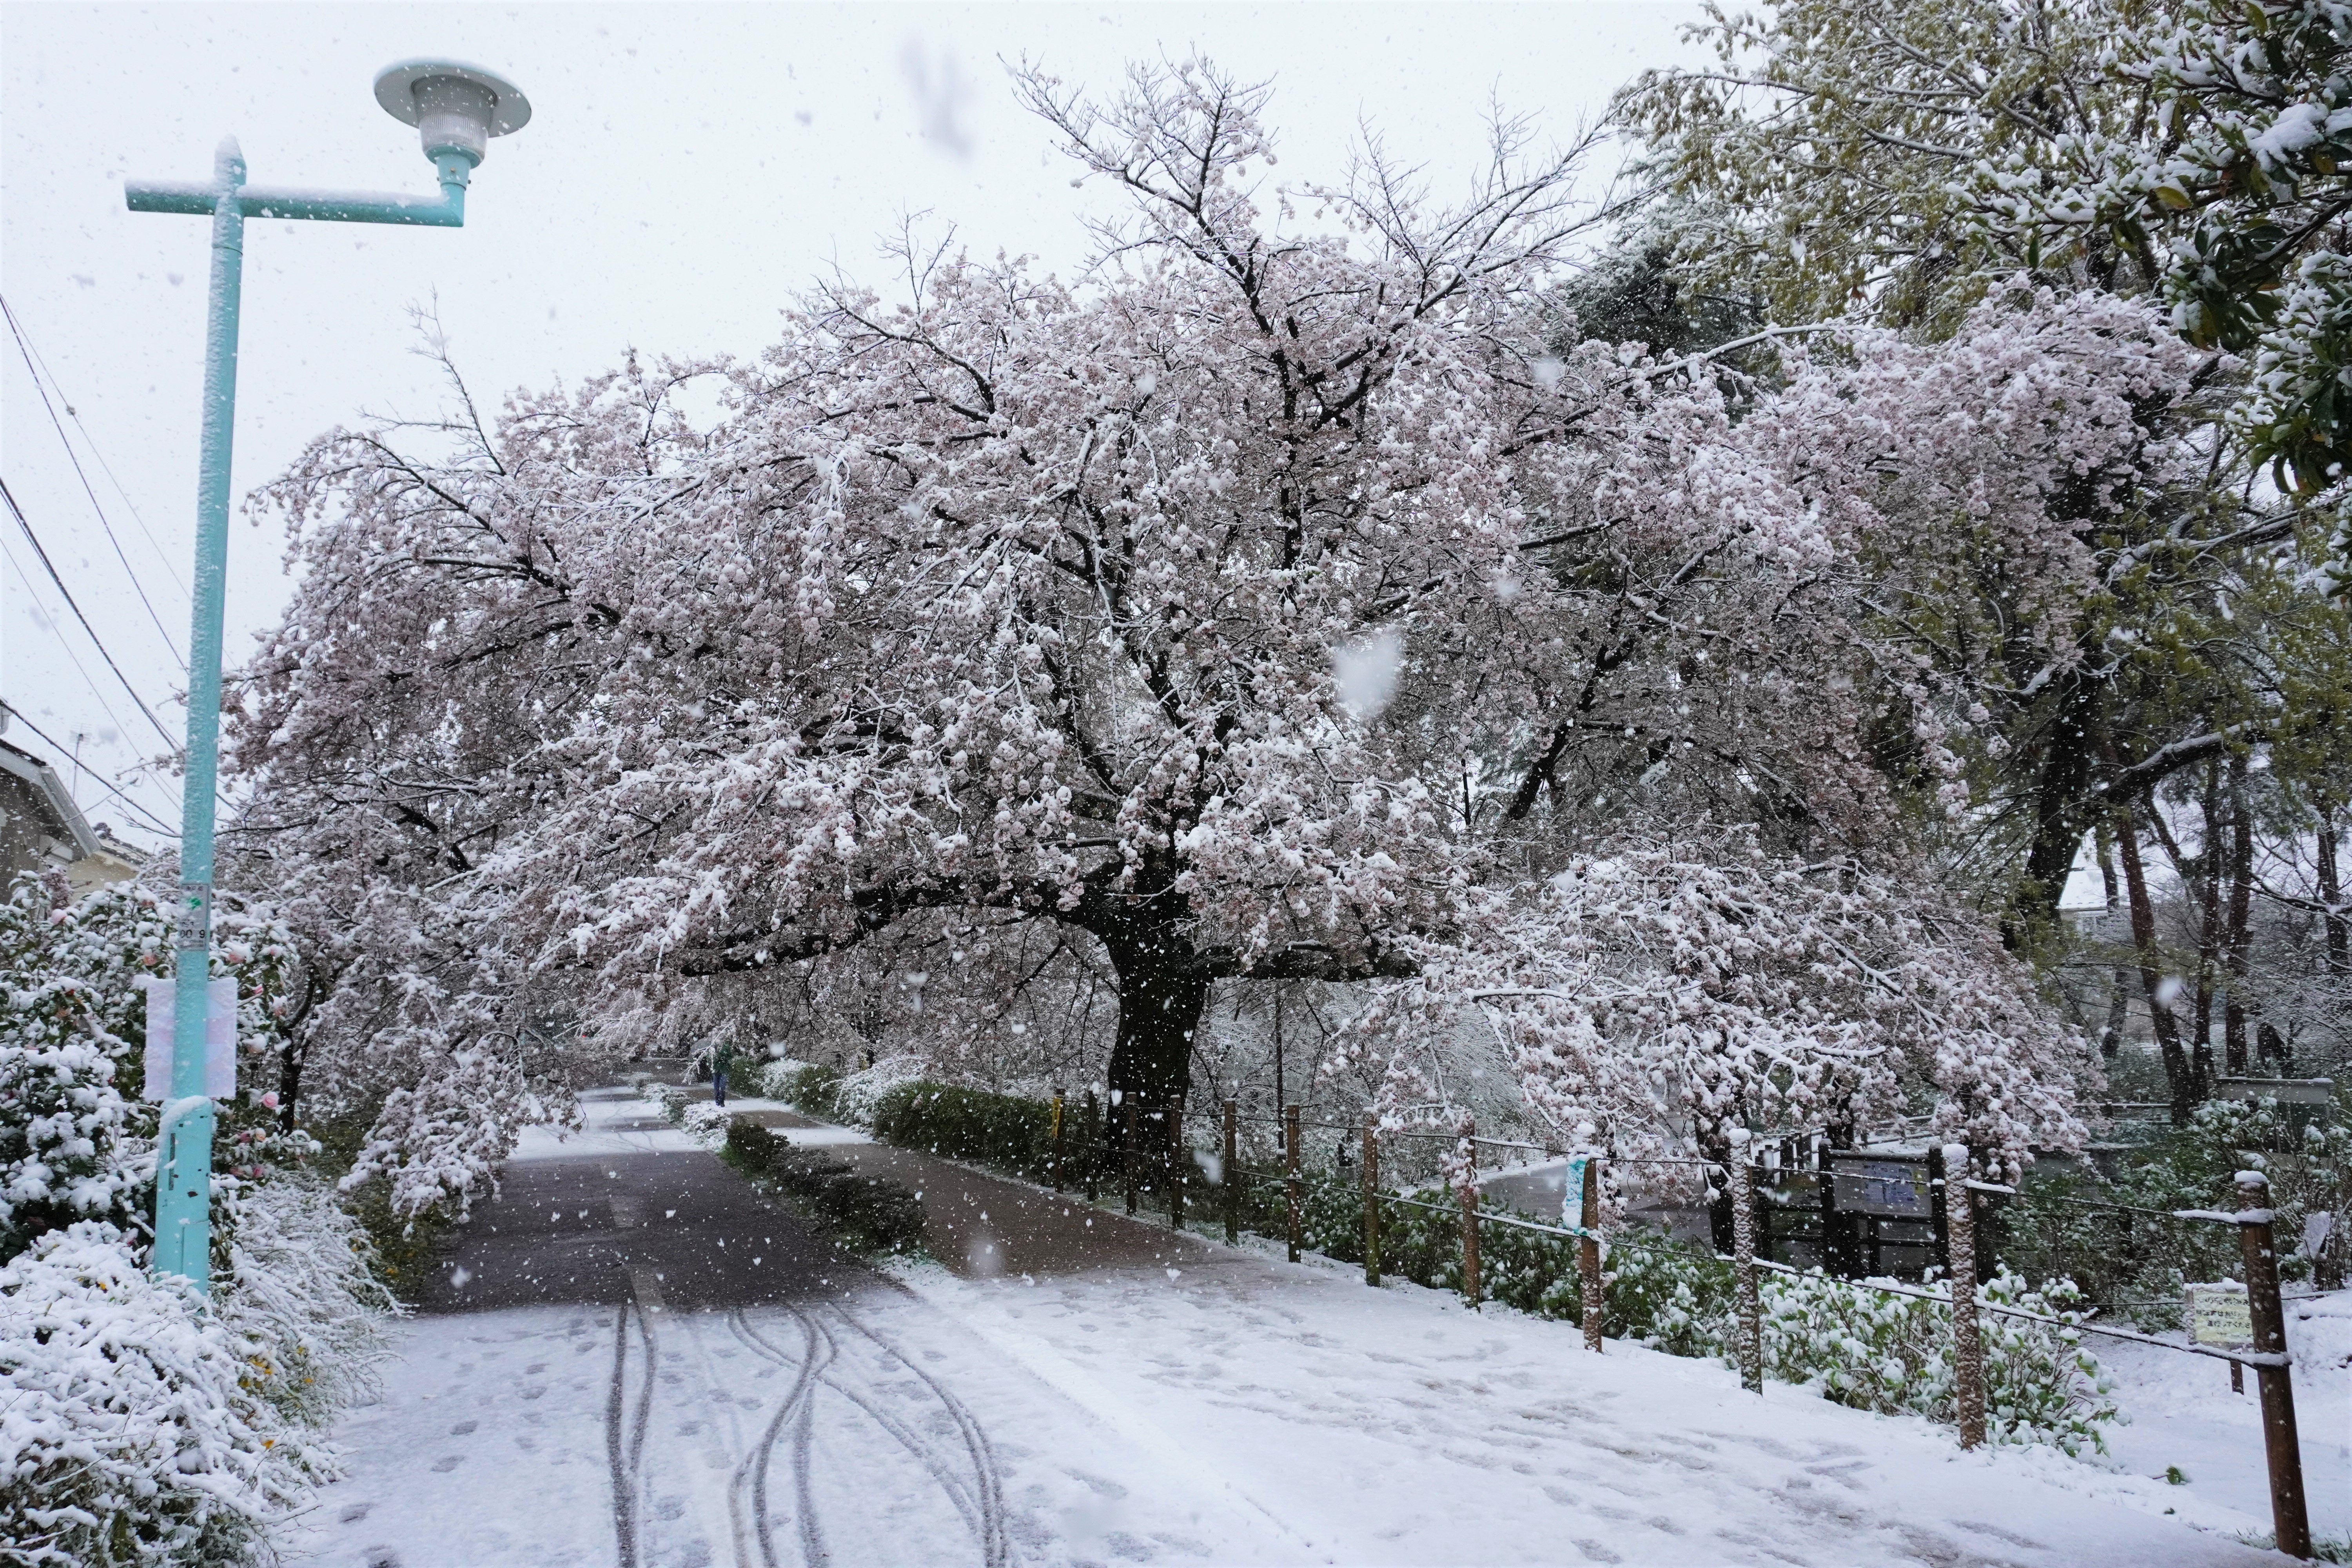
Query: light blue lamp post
[457,110]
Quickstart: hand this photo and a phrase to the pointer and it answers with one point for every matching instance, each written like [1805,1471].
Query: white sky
[687,169]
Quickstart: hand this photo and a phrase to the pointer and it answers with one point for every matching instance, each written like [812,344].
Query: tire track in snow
[817,1349]
[995,1546]
[625,1441]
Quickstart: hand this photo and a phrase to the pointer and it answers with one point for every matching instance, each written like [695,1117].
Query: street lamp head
[456,109]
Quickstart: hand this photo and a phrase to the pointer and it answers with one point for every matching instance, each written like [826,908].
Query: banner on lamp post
[220,1036]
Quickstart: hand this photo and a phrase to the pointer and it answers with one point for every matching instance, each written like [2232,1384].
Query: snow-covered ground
[1226,1408]
[2181,1415]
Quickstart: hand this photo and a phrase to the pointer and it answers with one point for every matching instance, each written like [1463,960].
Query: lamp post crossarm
[195,200]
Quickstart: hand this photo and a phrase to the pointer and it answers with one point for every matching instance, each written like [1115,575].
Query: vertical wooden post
[1056,1156]
[1968,1338]
[1747,1295]
[1093,1161]
[2290,1524]
[1290,1183]
[1371,1198]
[1131,1137]
[1471,1292]
[1233,1173]
[1180,1162]
[1588,1254]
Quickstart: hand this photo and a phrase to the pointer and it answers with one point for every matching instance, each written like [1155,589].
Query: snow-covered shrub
[1877,1351]
[858,1096]
[132,1428]
[304,1301]
[75,1139]
[804,1084]
[667,1099]
[705,1122]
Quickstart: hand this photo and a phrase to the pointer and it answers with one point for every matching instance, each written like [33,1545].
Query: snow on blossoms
[1280,604]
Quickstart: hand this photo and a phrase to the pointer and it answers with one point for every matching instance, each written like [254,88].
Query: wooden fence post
[1290,1183]
[1057,1143]
[1748,1295]
[1967,1338]
[2290,1524]
[1471,1292]
[1131,1137]
[1093,1161]
[1233,1173]
[1588,1254]
[1371,1198]
[1179,1160]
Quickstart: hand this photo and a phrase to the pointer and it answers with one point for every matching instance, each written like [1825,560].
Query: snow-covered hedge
[138,1423]
[130,1430]
[1856,1346]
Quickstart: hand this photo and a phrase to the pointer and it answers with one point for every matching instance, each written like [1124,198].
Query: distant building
[41,828]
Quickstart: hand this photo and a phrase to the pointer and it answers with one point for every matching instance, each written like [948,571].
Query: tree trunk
[2331,893]
[1161,995]
[2058,796]
[2180,1076]
[2236,939]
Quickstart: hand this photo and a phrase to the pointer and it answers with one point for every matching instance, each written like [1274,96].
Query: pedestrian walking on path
[721,1059]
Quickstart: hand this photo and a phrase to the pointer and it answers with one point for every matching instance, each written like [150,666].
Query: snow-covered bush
[1877,1351]
[304,1299]
[132,1427]
[705,1122]
[668,1099]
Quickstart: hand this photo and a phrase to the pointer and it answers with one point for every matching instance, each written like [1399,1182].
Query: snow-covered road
[1223,1408]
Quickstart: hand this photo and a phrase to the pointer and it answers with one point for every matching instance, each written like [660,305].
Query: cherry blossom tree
[1280,603]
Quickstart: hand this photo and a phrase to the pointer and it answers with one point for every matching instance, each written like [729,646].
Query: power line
[161,554]
[137,587]
[63,646]
[18,514]
[153,824]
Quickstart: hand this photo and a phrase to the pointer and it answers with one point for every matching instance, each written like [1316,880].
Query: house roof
[43,778]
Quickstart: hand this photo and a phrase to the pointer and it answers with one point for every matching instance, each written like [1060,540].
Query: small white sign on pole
[2220,1315]
[220,1036]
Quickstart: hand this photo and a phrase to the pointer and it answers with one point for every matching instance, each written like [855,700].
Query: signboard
[220,1036]
[1895,1189]
[2219,1315]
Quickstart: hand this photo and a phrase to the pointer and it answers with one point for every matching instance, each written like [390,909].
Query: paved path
[632,1360]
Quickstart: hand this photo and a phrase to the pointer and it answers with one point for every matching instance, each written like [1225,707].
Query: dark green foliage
[865,1214]
[2134,1265]
[813,1088]
[999,1130]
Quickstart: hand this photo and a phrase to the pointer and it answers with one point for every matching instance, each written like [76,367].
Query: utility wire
[153,824]
[136,586]
[18,514]
[63,646]
[33,354]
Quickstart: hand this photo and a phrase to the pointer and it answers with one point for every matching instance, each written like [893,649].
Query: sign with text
[220,1036]
[2219,1315]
